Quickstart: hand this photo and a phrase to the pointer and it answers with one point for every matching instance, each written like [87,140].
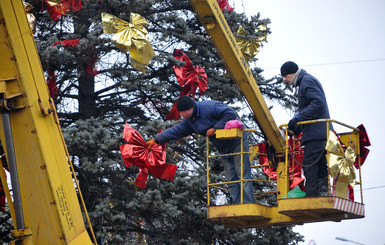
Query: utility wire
[346,62]
[334,63]
[371,188]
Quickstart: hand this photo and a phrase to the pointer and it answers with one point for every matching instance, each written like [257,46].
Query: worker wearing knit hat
[184,103]
[312,105]
[204,118]
[288,71]
[289,67]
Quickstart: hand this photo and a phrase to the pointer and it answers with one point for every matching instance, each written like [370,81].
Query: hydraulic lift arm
[47,209]
[212,18]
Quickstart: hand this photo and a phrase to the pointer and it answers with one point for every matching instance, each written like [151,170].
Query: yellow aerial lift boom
[45,207]
[288,211]
[211,17]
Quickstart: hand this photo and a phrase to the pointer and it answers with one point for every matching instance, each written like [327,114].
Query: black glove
[292,123]
[297,129]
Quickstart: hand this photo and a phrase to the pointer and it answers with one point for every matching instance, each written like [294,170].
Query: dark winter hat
[184,103]
[289,67]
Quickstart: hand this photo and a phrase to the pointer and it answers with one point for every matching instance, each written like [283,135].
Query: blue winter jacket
[209,114]
[312,105]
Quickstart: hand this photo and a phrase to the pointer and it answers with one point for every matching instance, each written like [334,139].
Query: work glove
[150,143]
[210,132]
[291,125]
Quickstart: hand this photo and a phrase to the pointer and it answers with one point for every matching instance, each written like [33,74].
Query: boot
[323,187]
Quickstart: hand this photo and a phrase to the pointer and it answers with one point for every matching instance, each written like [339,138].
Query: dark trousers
[314,165]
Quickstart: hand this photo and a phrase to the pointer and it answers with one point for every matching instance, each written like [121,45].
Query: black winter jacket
[312,105]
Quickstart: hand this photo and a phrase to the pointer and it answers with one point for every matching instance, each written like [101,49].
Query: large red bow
[51,79]
[189,76]
[224,5]
[58,8]
[295,150]
[149,161]
[364,142]
[90,68]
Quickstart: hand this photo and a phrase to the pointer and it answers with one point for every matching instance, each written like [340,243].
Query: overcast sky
[342,43]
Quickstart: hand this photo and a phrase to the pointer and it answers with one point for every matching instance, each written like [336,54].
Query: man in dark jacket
[312,105]
[204,118]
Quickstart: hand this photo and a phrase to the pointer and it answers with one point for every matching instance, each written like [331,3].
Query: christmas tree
[97,88]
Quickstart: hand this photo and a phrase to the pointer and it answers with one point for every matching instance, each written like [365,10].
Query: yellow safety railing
[251,153]
[354,136]
[355,132]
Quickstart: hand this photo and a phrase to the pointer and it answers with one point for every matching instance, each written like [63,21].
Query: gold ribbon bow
[31,18]
[250,47]
[130,37]
[340,161]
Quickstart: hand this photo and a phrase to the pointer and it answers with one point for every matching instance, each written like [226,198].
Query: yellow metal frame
[346,138]
[288,211]
[229,134]
[49,204]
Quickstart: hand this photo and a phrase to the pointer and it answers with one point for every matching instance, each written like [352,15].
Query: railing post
[207,172]
[241,153]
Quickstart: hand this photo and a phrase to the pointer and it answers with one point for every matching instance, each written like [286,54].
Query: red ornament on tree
[90,69]
[189,76]
[51,82]
[224,5]
[58,8]
[294,170]
[149,161]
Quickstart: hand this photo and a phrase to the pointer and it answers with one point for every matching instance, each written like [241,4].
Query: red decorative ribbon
[149,161]
[189,76]
[51,82]
[51,79]
[90,69]
[224,5]
[298,155]
[67,43]
[57,9]
[364,142]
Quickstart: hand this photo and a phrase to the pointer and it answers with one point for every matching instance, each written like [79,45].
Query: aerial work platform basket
[286,211]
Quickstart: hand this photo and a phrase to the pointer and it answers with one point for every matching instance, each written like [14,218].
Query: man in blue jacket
[312,105]
[204,117]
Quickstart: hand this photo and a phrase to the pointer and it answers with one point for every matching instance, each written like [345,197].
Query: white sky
[335,34]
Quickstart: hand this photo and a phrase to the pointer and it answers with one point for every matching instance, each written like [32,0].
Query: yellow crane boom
[211,16]
[47,209]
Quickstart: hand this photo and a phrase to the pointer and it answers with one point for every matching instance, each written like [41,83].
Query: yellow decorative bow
[31,18]
[53,2]
[130,37]
[250,47]
[340,162]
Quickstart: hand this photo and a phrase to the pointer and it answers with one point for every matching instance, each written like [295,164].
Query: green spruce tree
[94,107]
